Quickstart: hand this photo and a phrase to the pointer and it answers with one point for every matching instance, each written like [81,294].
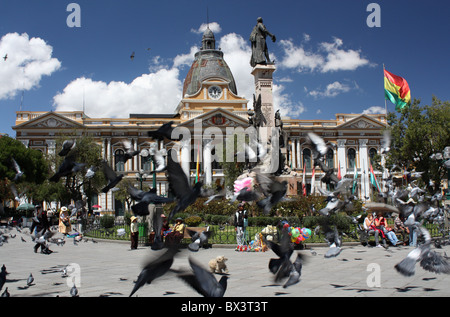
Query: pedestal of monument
[263,75]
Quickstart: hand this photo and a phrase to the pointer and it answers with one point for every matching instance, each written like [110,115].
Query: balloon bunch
[297,234]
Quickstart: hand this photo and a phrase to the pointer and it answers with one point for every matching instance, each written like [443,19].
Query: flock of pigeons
[266,191]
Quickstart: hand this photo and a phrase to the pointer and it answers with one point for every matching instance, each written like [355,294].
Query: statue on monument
[260,54]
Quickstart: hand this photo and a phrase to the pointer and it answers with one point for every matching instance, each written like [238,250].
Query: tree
[31,162]
[73,187]
[417,133]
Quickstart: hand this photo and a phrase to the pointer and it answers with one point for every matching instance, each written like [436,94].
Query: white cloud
[298,58]
[213,26]
[332,90]
[161,90]
[157,92]
[374,110]
[338,59]
[329,57]
[28,60]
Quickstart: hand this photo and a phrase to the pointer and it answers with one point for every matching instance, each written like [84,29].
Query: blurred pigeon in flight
[386,142]
[429,260]
[274,191]
[66,147]
[320,148]
[111,176]
[67,167]
[130,150]
[204,282]
[144,199]
[198,239]
[18,170]
[154,269]
[184,193]
[164,131]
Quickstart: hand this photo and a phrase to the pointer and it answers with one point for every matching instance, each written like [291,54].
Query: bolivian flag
[396,89]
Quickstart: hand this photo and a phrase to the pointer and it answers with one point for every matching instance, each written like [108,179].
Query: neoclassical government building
[210,97]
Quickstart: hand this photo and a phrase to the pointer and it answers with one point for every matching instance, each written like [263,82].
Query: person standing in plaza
[40,225]
[134,233]
[240,219]
[64,221]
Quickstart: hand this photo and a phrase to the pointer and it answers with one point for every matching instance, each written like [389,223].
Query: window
[119,160]
[330,158]
[351,158]
[146,163]
[307,158]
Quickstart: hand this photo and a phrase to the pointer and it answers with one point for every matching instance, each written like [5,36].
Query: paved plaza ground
[109,269]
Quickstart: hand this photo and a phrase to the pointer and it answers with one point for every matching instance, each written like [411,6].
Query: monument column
[263,75]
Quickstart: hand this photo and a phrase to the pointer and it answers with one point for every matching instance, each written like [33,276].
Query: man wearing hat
[134,235]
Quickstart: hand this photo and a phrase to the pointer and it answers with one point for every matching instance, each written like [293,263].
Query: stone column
[341,156]
[186,157]
[51,146]
[135,158]
[364,163]
[108,150]
[299,150]
[207,167]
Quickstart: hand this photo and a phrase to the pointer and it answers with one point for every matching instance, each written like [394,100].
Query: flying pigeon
[283,250]
[386,142]
[154,269]
[204,282]
[90,172]
[132,56]
[111,176]
[164,131]
[295,271]
[130,151]
[320,148]
[158,160]
[274,191]
[198,239]
[5,57]
[144,199]
[67,167]
[429,260]
[18,170]
[66,147]
[179,184]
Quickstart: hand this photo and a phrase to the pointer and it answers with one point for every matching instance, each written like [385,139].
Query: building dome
[208,64]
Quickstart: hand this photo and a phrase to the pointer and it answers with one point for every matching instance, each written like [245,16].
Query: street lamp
[141,177]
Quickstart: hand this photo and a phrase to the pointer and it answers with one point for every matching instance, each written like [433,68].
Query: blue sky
[328,59]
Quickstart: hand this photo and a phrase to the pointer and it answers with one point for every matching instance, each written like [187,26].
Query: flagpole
[385,101]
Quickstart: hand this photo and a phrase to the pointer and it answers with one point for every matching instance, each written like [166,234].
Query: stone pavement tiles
[109,269]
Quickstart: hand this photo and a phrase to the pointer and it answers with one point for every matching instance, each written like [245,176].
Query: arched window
[330,158]
[307,158]
[351,158]
[119,160]
[146,163]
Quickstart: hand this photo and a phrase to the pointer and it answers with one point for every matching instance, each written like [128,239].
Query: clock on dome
[215,92]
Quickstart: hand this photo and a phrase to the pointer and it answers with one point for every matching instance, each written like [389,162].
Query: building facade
[210,105]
